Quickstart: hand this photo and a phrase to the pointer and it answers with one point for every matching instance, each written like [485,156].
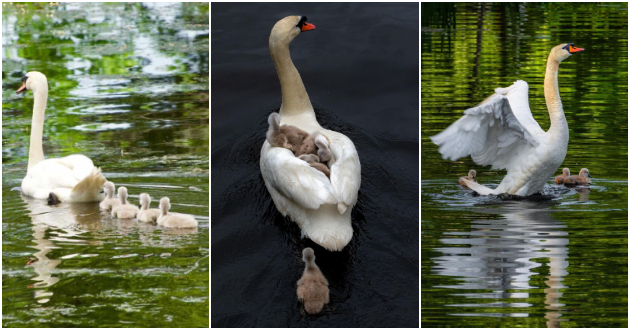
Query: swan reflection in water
[498,255]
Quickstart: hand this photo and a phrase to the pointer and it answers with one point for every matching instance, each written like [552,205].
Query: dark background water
[562,262]
[360,68]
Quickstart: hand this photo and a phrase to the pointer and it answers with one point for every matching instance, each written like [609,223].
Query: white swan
[502,132]
[69,179]
[312,287]
[321,207]
[146,214]
[174,220]
[124,210]
[110,201]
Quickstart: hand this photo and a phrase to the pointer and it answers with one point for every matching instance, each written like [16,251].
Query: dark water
[128,87]
[360,68]
[561,261]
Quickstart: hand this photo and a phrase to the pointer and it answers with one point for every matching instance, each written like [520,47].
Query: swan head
[109,188]
[165,204]
[33,81]
[584,173]
[122,195]
[145,200]
[473,175]
[288,28]
[308,255]
[563,51]
[566,172]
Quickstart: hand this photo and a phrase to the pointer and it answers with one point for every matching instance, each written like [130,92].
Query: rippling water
[360,68]
[560,260]
[128,87]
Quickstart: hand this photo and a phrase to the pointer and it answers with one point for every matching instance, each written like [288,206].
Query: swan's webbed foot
[53,199]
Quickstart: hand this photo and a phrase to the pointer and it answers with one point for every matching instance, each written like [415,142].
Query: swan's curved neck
[552,97]
[294,97]
[36,152]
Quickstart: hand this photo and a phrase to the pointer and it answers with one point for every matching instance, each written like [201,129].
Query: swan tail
[90,188]
[327,227]
[480,189]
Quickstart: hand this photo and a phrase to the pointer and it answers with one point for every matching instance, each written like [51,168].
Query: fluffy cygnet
[297,140]
[472,176]
[560,178]
[110,201]
[583,178]
[174,220]
[146,214]
[312,288]
[314,162]
[124,210]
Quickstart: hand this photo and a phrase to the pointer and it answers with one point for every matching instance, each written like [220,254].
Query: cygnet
[174,220]
[110,201]
[560,178]
[313,161]
[472,176]
[581,179]
[297,140]
[124,210]
[146,214]
[312,288]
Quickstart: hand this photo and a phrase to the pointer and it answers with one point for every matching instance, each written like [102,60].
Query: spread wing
[294,178]
[494,131]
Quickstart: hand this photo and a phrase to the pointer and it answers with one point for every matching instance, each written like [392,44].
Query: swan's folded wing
[294,178]
[490,132]
[345,173]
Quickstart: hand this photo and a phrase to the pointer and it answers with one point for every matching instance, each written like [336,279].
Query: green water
[128,87]
[558,262]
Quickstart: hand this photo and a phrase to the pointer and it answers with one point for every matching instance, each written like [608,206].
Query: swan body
[146,214]
[110,201]
[560,178]
[69,179]
[321,207]
[582,178]
[124,210]
[174,220]
[472,176]
[312,287]
[502,132]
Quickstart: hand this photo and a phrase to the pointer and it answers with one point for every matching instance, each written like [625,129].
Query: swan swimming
[502,132]
[110,201]
[312,287]
[321,207]
[72,178]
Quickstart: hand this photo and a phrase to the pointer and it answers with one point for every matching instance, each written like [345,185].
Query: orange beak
[307,27]
[574,50]
[21,89]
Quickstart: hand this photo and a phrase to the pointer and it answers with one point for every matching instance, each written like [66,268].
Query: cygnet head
[33,81]
[122,195]
[165,204]
[566,172]
[473,175]
[584,172]
[323,151]
[287,29]
[145,200]
[109,189]
[563,51]
[308,255]
[309,158]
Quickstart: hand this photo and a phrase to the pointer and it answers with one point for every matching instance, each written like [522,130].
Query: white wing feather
[345,173]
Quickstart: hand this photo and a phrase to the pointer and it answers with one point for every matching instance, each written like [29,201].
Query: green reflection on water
[128,87]
[467,51]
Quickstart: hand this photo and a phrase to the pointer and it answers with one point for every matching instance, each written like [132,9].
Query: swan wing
[294,178]
[345,172]
[492,132]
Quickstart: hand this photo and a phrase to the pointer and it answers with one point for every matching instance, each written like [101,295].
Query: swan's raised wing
[493,131]
[294,178]
[345,172]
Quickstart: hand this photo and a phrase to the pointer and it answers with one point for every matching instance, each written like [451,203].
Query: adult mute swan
[319,206]
[69,179]
[502,132]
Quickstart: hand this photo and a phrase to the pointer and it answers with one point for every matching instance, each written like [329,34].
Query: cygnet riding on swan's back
[321,207]
[69,179]
[502,132]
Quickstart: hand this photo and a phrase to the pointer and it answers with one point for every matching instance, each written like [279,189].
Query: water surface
[556,261]
[128,87]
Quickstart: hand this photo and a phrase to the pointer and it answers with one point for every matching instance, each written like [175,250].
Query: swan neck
[36,151]
[295,100]
[552,97]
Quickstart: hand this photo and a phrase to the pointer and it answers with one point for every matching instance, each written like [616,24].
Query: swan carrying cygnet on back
[320,206]
[312,288]
[72,178]
[174,220]
[560,178]
[146,214]
[124,210]
[502,132]
[110,201]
